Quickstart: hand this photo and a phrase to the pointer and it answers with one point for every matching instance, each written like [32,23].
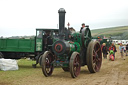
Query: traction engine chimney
[61,12]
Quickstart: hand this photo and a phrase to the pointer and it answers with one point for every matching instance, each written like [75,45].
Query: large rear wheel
[47,66]
[75,64]
[94,56]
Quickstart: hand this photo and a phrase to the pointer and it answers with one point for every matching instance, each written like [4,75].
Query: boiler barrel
[65,47]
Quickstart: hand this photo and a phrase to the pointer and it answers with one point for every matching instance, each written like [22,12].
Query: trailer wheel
[66,69]
[1,55]
[47,66]
[94,57]
[75,64]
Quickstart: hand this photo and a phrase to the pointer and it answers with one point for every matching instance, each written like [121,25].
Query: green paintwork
[17,45]
[77,35]
[39,45]
[72,47]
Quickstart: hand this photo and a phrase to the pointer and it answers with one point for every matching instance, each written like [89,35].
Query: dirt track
[111,73]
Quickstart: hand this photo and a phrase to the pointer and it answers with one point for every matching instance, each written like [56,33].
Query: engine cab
[45,38]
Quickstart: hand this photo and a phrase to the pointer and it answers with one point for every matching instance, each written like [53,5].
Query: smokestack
[61,12]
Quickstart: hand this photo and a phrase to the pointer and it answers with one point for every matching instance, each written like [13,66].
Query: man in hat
[114,48]
[121,48]
[104,50]
[83,25]
[127,50]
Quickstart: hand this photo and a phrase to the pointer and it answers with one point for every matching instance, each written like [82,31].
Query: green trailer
[28,47]
[107,41]
[16,48]
[17,45]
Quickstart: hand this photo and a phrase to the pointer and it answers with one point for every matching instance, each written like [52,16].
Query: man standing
[114,48]
[127,50]
[104,50]
[121,48]
[83,25]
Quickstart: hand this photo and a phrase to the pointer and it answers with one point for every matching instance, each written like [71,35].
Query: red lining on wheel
[61,47]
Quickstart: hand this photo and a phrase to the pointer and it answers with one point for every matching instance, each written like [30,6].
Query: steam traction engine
[71,51]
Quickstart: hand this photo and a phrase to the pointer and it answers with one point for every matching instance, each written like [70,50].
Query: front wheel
[75,64]
[47,66]
[94,56]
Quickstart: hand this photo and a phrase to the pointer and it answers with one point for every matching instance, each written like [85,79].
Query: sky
[22,17]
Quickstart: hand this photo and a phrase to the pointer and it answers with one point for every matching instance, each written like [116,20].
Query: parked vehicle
[32,47]
[107,41]
[72,50]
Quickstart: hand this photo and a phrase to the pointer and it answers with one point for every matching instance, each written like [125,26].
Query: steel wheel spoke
[99,59]
[98,50]
[96,67]
[94,60]
[95,52]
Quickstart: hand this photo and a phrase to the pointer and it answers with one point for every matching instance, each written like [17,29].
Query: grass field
[25,69]
[109,32]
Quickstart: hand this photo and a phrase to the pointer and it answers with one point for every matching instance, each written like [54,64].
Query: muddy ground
[111,73]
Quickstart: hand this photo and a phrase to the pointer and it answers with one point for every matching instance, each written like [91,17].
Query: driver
[45,40]
[40,34]
[83,25]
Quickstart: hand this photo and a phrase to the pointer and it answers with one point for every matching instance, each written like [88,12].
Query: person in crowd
[104,50]
[124,48]
[127,50]
[112,48]
[121,48]
[83,25]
